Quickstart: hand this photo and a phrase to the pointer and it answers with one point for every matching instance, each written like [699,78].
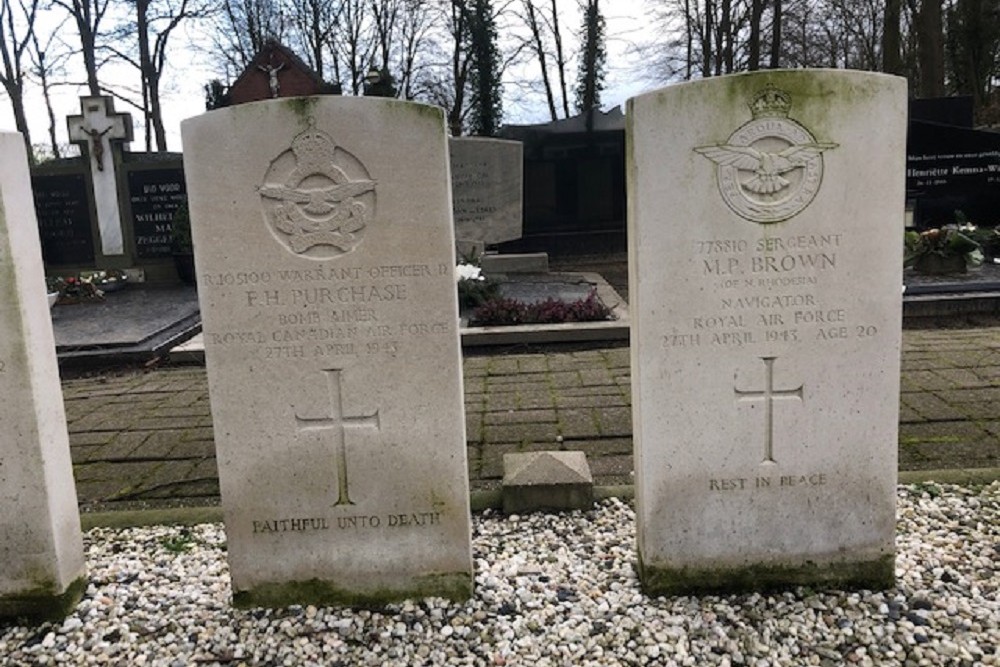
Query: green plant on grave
[474,289]
[945,243]
[181,543]
[180,231]
[930,488]
[988,238]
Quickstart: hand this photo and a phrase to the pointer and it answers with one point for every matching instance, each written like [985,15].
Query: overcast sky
[183,94]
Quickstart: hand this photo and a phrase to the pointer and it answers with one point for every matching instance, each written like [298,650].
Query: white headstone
[324,245]
[41,548]
[487,189]
[96,127]
[765,222]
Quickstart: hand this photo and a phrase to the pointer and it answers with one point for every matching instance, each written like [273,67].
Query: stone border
[481,500]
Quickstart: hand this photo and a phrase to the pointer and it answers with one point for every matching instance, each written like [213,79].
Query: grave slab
[324,248]
[41,549]
[766,212]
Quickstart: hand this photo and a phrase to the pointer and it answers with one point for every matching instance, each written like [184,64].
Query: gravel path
[550,590]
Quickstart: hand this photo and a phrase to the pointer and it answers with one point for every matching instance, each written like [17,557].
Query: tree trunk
[706,40]
[560,59]
[726,33]
[892,61]
[930,49]
[539,48]
[688,41]
[776,36]
[16,94]
[145,65]
[753,46]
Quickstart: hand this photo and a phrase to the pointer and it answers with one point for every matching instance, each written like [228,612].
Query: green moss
[870,574]
[43,602]
[455,586]
[302,107]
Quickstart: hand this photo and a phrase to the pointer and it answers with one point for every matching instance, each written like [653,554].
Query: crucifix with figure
[336,425]
[94,130]
[769,395]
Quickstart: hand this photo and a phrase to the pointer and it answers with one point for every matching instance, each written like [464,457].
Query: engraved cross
[336,425]
[769,395]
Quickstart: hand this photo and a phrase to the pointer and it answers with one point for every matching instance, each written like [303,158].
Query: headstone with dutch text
[487,189]
[63,211]
[766,212]
[324,244]
[41,547]
[154,197]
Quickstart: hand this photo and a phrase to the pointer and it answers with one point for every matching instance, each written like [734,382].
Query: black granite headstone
[154,195]
[63,218]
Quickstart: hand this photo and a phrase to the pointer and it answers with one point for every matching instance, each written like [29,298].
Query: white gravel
[550,590]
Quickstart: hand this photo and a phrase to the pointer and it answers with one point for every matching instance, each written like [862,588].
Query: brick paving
[146,436]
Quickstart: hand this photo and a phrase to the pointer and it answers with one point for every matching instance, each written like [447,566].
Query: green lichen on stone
[302,107]
[875,574]
[455,586]
[42,602]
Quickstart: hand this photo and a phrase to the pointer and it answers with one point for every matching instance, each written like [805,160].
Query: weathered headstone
[98,129]
[486,181]
[324,247]
[41,548]
[766,212]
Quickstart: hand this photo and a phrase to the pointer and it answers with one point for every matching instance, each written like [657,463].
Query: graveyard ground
[143,438]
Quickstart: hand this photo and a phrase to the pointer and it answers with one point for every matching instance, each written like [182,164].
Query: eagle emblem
[771,168]
[318,198]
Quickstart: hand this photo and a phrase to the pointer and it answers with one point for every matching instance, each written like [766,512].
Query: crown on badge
[770,102]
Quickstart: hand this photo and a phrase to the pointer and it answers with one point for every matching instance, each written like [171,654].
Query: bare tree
[47,60]
[415,25]
[88,15]
[353,43]
[240,28]
[312,24]
[560,56]
[537,43]
[892,59]
[930,47]
[15,36]
[151,24]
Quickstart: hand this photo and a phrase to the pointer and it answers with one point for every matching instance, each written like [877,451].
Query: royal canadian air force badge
[771,168]
[317,197]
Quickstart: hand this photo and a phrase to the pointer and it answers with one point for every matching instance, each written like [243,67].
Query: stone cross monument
[94,130]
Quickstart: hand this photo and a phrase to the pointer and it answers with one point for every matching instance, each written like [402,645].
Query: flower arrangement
[948,249]
[474,289]
[86,285]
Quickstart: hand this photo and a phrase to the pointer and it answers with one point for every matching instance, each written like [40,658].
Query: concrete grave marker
[766,215]
[41,548]
[487,189]
[324,246]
